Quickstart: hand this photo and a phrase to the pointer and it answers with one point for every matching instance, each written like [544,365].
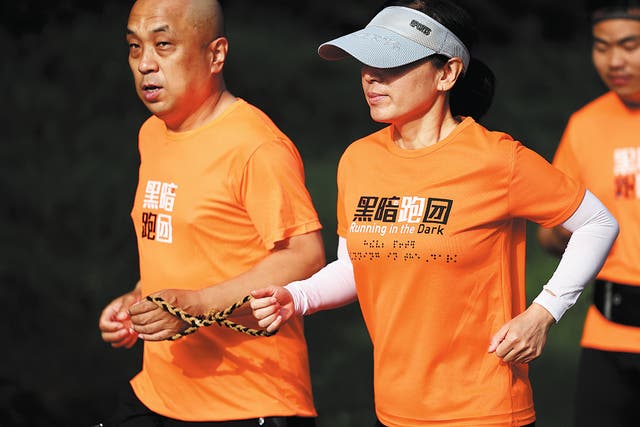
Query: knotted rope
[214,317]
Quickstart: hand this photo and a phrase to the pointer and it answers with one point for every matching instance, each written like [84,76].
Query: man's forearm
[293,259]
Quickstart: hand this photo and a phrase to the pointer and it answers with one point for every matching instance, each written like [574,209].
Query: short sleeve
[341,213]
[541,192]
[274,193]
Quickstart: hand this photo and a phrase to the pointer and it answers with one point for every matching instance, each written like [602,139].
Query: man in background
[601,148]
[221,207]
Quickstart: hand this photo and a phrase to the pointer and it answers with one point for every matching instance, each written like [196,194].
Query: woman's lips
[375,98]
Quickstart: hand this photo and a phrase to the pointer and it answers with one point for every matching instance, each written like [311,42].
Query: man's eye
[631,45]
[163,44]
[133,46]
[599,47]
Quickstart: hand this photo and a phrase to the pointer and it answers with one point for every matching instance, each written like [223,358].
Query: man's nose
[148,63]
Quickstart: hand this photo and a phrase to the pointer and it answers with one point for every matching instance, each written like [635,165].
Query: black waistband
[379,424]
[618,302]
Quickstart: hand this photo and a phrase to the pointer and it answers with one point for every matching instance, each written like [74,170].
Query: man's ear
[218,49]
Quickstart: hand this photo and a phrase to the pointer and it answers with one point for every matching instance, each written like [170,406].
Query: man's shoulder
[152,124]
[606,103]
[250,117]
[247,122]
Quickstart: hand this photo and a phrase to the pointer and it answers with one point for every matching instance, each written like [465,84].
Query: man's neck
[206,112]
[632,104]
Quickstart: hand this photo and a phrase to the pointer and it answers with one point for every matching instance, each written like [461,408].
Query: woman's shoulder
[476,133]
[378,138]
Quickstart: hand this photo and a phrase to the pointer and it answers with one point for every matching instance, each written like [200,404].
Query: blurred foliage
[68,170]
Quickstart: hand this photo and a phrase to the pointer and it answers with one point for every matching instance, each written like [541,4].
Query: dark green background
[68,169]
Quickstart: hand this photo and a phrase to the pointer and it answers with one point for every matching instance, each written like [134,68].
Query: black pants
[608,389]
[379,424]
[130,412]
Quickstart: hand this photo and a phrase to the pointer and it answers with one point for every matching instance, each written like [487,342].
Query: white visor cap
[396,36]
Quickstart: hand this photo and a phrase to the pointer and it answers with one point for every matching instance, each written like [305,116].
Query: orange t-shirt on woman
[437,241]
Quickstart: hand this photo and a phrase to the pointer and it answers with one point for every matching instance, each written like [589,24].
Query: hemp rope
[213,317]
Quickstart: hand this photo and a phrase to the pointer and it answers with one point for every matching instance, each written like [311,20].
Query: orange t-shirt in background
[601,148]
[210,204]
[437,241]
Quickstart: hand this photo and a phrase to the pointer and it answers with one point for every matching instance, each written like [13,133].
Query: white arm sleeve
[594,231]
[331,287]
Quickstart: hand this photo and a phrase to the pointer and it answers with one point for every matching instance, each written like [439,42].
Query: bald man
[221,208]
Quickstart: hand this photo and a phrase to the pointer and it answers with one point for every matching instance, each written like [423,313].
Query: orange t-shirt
[210,204]
[601,148]
[437,241]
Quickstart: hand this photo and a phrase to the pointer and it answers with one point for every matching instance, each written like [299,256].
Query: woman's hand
[522,339]
[272,306]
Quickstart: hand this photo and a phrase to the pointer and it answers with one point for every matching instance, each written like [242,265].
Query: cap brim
[375,47]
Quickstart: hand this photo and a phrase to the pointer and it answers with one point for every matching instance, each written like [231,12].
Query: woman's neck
[425,131]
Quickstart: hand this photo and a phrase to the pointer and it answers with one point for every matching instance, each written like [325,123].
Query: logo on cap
[420,27]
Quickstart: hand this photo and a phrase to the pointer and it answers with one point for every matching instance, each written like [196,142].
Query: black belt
[617,302]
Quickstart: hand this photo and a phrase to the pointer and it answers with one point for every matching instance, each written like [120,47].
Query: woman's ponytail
[473,93]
